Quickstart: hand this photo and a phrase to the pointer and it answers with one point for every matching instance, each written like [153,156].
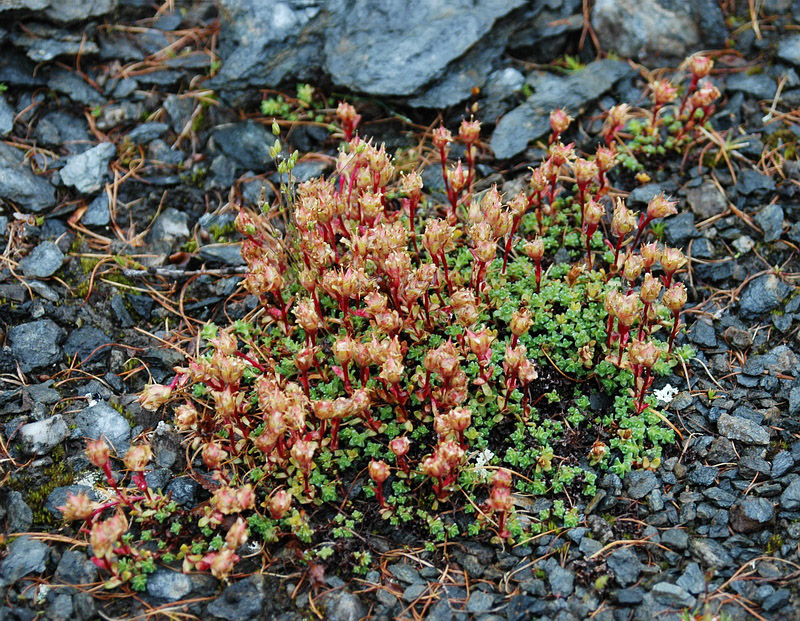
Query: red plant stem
[443,259]
[113,484]
[689,91]
[623,334]
[335,422]
[514,226]
[378,489]
[644,220]
[257,365]
[538,273]
[676,321]
[609,329]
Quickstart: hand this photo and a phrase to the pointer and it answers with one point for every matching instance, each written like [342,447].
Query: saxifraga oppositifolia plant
[419,357]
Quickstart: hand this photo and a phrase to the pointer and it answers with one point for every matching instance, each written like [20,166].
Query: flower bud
[137,457]
[700,66]
[378,471]
[442,137]
[392,370]
[213,455]
[78,507]
[534,249]
[593,213]
[469,131]
[675,297]
[625,308]
[623,221]
[663,92]
[97,452]
[672,260]
[343,349]
[651,287]
[660,207]
[400,445]
[650,254]
[221,563]
[585,170]
[501,478]
[237,534]
[632,267]
[186,416]
[303,453]
[279,504]
[304,359]
[644,353]
[154,396]
[606,159]
[521,321]
[559,121]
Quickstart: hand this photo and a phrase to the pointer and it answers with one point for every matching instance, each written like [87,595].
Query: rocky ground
[131,135]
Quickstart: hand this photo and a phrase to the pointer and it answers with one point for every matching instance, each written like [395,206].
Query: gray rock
[86,171]
[64,11]
[776,601]
[37,344]
[383,60]
[751,514]
[229,254]
[183,490]
[481,602]
[87,343]
[706,200]
[60,129]
[247,143]
[42,42]
[679,229]
[241,601]
[789,49]
[753,182]
[531,120]
[18,514]
[413,592]
[169,585]
[6,118]
[146,132]
[43,436]
[770,219]
[341,605]
[711,553]
[255,44]
[794,398]
[43,261]
[656,28]
[74,86]
[406,573]
[702,333]
[75,568]
[639,483]
[742,429]
[675,538]
[759,85]
[762,295]
[561,581]
[790,498]
[781,464]
[25,556]
[170,226]
[703,476]
[103,421]
[20,185]
[97,213]
[692,579]
[672,595]
[626,566]
[630,596]
[643,194]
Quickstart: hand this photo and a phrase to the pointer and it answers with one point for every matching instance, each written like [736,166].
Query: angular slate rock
[86,171]
[531,120]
